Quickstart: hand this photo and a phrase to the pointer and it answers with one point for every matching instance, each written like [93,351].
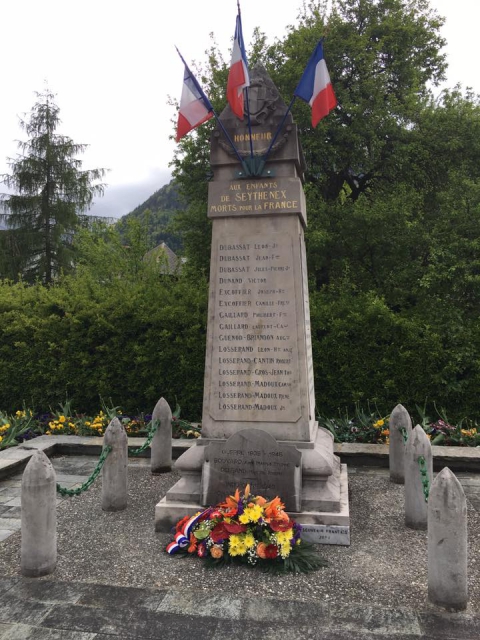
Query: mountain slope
[157,214]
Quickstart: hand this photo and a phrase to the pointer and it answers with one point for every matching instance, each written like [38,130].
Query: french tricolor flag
[195,107]
[238,77]
[315,86]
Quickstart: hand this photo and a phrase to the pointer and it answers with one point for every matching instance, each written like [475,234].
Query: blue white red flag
[195,107]
[315,86]
[238,78]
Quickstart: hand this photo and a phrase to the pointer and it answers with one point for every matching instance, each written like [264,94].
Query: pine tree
[50,194]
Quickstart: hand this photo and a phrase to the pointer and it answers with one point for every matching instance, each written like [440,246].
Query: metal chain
[425,480]
[404,433]
[148,441]
[88,483]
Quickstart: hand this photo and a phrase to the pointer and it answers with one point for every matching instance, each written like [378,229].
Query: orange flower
[216,551]
[274,510]
[260,501]
[261,548]
[231,504]
[193,544]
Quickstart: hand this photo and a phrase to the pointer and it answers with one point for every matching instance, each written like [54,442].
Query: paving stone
[12,492]
[167,626]
[99,595]
[284,610]
[7,583]
[14,502]
[13,481]
[314,631]
[71,478]
[27,632]
[202,604]
[13,512]
[87,619]
[47,591]
[470,482]
[25,611]
[368,619]
[442,626]
[10,523]
[4,628]
[5,533]
[144,624]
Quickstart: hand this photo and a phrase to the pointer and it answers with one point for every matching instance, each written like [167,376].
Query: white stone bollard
[39,517]
[418,446]
[399,419]
[114,471]
[447,543]
[161,447]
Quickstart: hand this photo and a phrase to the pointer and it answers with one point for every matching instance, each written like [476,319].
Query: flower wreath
[247,529]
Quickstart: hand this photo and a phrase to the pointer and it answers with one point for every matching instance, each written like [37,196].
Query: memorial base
[321,527]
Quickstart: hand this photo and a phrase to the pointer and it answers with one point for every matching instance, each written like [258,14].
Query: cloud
[119,200]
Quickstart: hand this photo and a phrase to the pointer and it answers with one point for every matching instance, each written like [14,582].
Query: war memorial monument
[258,423]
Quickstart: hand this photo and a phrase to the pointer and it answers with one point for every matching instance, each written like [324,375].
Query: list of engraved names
[255,361]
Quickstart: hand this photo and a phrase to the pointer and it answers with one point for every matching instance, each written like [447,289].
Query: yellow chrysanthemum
[236,545]
[249,540]
[285,549]
[251,514]
[284,537]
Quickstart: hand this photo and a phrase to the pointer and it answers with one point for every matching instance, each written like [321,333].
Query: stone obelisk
[258,422]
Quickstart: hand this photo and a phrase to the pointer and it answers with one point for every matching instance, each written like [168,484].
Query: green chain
[147,442]
[404,433]
[88,483]
[425,481]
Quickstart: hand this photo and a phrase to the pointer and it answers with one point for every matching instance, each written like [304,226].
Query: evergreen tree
[51,191]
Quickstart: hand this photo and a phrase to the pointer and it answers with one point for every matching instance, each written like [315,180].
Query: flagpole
[211,109]
[277,133]
[246,88]
[237,153]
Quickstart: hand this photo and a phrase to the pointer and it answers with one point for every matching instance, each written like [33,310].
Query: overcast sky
[112,65]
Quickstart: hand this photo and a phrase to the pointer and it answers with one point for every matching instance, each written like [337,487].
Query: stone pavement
[90,595]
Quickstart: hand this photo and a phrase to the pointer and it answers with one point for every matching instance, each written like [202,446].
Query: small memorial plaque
[326,534]
[254,457]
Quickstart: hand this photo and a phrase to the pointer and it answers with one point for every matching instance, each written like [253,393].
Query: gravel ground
[386,564]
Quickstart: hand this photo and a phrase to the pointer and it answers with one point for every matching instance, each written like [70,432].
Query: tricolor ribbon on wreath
[184,529]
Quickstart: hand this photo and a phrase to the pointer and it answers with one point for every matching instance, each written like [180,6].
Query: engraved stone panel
[326,534]
[255,371]
[263,196]
[253,457]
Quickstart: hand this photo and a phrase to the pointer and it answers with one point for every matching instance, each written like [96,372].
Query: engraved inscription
[255,373]
[259,196]
[252,457]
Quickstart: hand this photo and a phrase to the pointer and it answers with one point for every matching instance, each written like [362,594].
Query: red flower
[219,532]
[215,514]
[281,525]
[224,530]
[202,550]
[235,527]
[271,551]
